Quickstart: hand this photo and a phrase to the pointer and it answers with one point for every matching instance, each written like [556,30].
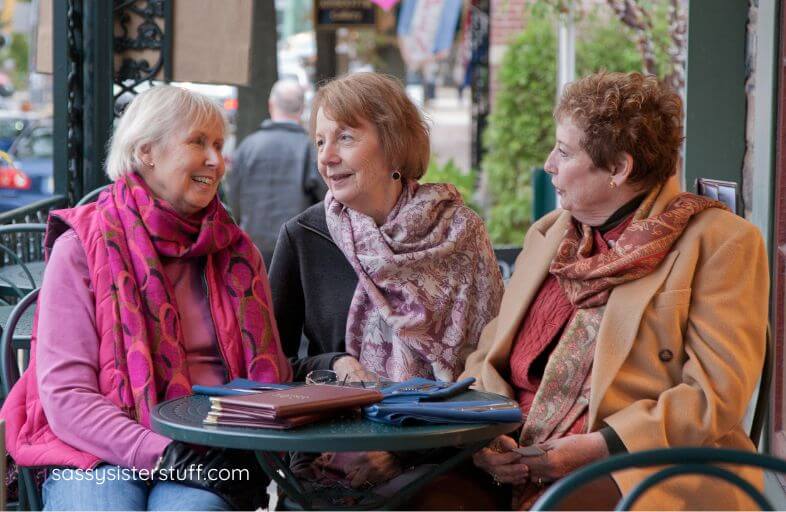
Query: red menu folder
[243,420]
[288,407]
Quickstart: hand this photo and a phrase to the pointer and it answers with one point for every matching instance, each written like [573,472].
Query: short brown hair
[626,112]
[381,100]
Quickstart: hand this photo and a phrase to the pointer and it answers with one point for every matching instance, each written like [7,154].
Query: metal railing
[34,212]
[22,231]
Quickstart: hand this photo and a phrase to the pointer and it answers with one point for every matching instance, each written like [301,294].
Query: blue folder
[237,387]
[419,389]
[484,411]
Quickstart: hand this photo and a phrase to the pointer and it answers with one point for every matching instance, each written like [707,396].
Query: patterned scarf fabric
[639,250]
[564,393]
[138,230]
[428,282]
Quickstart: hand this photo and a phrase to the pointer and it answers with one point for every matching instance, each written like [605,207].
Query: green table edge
[321,436]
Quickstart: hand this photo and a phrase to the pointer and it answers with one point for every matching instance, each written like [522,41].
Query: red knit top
[542,326]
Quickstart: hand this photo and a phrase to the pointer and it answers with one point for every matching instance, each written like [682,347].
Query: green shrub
[453,174]
[605,44]
[520,129]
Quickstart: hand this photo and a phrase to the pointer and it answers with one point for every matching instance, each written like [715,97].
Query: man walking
[274,174]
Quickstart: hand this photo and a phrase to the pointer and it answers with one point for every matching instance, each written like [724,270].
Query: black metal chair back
[728,193]
[33,212]
[763,399]
[21,259]
[22,243]
[506,259]
[678,461]
[10,348]
[91,196]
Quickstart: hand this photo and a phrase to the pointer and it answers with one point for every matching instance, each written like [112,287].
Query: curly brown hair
[626,112]
[381,100]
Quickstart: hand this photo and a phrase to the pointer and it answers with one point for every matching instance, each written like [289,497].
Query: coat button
[666,355]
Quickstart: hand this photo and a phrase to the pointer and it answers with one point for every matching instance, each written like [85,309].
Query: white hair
[153,116]
[288,96]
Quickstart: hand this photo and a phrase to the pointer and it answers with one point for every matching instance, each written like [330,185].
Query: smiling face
[187,167]
[352,163]
[583,189]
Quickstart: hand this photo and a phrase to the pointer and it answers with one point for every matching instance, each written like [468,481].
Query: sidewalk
[449,121]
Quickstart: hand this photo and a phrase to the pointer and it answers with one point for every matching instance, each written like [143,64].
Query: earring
[149,164]
[395,175]
[612,185]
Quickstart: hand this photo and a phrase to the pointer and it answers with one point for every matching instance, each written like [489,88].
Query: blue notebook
[237,387]
[418,389]
[480,411]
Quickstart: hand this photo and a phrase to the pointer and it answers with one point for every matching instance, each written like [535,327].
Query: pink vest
[29,439]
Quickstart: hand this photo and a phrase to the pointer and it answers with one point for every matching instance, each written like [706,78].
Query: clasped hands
[371,468]
[560,458]
[365,468]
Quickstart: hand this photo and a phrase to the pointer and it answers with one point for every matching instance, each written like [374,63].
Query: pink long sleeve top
[67,356]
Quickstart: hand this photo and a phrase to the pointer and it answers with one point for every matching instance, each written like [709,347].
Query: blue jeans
[114,488]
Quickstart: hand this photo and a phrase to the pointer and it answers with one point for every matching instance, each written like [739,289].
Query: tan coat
[706,304]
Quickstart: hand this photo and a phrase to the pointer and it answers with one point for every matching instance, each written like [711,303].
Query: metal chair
[10,348]
[506,259]
[763,399]
[21,259]
[91,196]
[679,461]
[728,193]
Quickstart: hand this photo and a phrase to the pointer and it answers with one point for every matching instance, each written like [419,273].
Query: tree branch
[634,16]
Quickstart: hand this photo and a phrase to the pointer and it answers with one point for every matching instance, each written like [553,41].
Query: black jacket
[273,178]
[312,285]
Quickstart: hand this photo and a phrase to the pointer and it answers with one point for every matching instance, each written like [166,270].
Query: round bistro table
[182,419]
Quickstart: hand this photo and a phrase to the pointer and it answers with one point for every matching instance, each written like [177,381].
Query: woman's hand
[500,462]
[372,468]
[565,455]
[349,368]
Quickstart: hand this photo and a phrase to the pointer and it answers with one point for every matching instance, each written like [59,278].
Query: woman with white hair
[149,290]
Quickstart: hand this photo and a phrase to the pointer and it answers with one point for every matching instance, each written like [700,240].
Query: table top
[16,276]
[181,419]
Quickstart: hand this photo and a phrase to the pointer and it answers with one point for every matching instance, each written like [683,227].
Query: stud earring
[395,175]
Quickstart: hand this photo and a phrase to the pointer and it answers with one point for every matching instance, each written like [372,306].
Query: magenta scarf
[138,230]
[428,282]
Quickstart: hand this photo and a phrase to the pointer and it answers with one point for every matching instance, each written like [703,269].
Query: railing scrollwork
[145,35]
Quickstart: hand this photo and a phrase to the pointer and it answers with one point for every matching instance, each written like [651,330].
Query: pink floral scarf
[428,282]
[138,230]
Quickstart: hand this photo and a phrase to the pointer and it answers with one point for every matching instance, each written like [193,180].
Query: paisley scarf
[428,282]
[564,393]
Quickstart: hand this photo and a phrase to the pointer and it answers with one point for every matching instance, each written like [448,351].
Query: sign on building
[333,14]
[211,41]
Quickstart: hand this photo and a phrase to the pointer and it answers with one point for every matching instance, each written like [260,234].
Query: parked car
[12,123]
[26,169]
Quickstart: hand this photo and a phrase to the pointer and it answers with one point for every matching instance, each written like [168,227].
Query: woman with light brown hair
[636,316]
[387,276]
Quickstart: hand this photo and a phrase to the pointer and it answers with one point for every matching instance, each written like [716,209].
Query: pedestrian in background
[274,173]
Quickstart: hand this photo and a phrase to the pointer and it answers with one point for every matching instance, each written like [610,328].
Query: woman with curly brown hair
[637,314]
